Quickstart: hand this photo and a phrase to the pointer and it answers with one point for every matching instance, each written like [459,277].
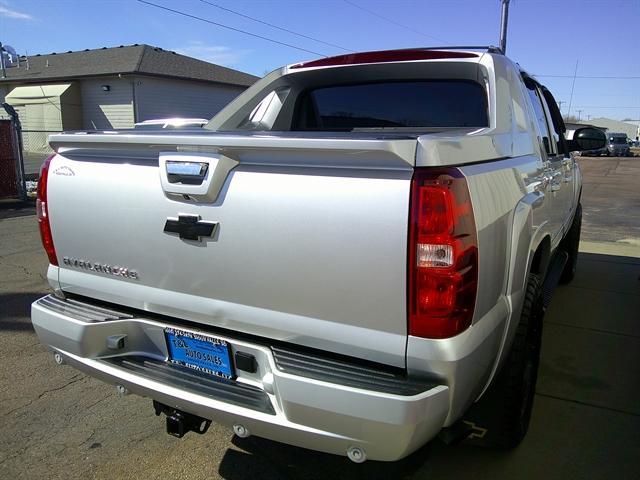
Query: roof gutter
[115,74]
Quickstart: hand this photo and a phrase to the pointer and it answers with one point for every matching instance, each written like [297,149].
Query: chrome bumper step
[344,372]
[187,379]
[80,310]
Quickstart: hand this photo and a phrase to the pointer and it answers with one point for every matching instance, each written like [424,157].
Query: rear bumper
[327,405]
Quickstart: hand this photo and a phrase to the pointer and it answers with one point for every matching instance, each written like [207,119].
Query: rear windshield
[618,140]
[390,105]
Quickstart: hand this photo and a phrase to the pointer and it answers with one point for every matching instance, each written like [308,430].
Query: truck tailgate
[309,245]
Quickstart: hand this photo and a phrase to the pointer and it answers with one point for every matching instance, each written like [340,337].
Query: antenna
[503,26]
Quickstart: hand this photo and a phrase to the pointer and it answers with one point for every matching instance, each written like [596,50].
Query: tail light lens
[42,207]
[443,254]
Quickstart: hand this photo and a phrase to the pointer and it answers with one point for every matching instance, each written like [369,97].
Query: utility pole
[503,26]
[573,84]
[579,112]
[4,72]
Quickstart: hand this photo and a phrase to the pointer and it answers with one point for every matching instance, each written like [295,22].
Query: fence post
[16,134]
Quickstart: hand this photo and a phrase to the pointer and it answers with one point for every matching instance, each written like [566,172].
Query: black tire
[501,417]
[570,244]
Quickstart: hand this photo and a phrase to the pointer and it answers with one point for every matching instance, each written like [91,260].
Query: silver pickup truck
[354,256]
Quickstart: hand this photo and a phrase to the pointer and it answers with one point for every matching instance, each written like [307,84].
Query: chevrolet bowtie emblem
[189,227]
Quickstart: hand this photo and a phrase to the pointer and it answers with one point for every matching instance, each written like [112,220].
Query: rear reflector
[384,56]
[42,208]
[443,254]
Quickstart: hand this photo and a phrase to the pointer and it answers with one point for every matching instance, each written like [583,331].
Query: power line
[371,12]
[275,26]
[178,12]
[594,106]
[591,76]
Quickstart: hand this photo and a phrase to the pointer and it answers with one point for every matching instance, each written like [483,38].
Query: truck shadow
[270,460]
[16,208]
[15,310]
[266,459]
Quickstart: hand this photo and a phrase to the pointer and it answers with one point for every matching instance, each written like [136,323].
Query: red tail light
[443,254]
[42,207]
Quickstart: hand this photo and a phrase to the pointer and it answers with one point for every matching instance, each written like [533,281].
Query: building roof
[575,126]
[615,126]
[129,59]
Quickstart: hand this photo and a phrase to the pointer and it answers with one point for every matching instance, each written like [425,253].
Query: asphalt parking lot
[58,423]
[611,199]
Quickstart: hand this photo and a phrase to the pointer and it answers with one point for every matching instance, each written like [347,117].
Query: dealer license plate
[201,352]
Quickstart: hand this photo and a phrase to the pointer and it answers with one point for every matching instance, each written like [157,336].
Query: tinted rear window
[414,104]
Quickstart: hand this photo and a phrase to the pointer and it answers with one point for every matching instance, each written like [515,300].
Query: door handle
[567,163]
[539,184]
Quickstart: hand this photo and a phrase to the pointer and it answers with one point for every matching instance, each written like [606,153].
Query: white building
[112,88]
[615,126]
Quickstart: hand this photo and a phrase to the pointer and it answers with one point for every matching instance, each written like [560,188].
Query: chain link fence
[35,149]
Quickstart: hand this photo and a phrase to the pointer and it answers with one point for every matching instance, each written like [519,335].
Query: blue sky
[546,37]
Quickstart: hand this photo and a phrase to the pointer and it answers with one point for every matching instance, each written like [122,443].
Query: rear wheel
[502,415]
[570,244]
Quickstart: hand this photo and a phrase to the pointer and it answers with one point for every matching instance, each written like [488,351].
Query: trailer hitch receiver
[180,423]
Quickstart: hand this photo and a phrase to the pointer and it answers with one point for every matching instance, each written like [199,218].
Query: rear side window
[389,105]
[541,119]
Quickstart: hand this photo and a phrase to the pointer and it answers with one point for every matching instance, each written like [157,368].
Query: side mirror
[587,139]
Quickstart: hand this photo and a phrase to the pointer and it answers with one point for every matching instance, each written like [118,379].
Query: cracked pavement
[58,423]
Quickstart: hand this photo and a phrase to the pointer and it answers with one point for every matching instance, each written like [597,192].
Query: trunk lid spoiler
[388,153]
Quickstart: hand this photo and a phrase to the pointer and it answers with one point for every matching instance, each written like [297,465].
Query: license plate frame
[199,351]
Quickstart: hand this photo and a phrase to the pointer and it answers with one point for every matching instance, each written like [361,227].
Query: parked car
[354,256]
[618,144]
[171,123]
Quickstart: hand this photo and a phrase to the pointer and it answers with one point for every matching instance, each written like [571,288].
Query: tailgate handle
[188,173]
[197,176]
